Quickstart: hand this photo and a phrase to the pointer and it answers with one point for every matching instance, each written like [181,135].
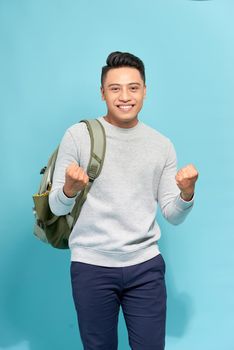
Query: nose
[124,96]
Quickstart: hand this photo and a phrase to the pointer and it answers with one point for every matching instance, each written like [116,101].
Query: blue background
[51,54]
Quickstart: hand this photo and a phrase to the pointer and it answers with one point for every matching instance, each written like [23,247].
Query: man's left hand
[185,180]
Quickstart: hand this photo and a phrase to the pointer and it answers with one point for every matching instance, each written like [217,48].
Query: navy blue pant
[98,292]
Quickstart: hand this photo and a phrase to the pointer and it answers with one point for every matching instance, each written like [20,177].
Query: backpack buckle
[92,172]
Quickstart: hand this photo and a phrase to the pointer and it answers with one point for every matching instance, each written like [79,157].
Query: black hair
[122,59]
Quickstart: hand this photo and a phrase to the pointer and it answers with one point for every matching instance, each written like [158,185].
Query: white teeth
[125,107]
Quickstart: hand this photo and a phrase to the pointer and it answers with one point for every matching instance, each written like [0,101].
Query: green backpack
[53,229]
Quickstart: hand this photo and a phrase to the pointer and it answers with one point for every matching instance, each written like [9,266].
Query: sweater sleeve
[68,152]
[173,207]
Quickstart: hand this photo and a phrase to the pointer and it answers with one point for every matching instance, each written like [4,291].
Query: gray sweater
[117,225]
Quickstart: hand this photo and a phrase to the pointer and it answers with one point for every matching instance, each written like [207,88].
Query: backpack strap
[97,154]
[98,147]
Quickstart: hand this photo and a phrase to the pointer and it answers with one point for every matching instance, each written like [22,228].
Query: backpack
[55,230]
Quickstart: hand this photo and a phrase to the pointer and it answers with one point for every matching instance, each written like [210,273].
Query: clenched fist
[75,180]
[186,179]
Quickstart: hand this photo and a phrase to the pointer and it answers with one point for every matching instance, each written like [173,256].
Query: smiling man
[115,257]
[123,90]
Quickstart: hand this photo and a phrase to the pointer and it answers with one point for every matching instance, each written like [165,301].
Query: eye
[114,89]
[134,88]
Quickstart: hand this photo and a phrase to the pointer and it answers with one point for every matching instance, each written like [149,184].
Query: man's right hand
[76,180]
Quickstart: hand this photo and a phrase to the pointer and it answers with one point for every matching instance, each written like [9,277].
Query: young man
[115,258]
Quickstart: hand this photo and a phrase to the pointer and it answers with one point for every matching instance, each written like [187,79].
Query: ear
[102,93]
[145,91]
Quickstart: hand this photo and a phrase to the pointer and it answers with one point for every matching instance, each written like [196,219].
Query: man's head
[119,59]
[123,88]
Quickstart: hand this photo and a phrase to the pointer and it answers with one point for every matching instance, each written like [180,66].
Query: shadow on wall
[37,308]
[180,308]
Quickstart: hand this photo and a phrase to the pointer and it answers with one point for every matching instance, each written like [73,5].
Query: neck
[121,123]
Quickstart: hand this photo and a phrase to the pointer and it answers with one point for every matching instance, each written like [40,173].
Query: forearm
[59,203]
[175,203]
[177,210]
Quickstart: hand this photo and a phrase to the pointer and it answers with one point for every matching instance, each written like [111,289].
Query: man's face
[124,91]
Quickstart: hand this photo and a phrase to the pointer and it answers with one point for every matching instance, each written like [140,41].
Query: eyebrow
[134,83]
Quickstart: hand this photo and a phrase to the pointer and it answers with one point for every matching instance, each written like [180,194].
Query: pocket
[159,263]
[162,259]
[74,269]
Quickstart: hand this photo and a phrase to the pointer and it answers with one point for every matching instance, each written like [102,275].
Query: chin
[127,117]
[121,117]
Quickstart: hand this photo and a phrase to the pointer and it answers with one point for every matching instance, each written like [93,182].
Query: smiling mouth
[125,108]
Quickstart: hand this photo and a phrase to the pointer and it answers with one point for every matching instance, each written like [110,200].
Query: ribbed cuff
[182,204]
[64,199]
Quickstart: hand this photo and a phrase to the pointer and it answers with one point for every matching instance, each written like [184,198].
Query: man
[115,258]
